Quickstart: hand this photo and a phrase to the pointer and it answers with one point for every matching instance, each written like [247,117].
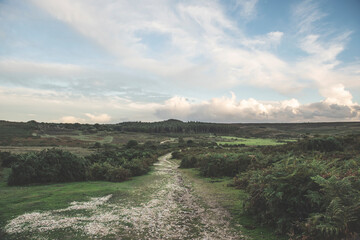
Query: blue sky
[222,61]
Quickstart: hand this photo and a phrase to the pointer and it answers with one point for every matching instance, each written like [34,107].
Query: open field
[229,140]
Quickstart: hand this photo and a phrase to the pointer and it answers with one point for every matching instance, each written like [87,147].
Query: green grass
[94,138]
[15,201]
[232,200]
[90,138]
[251,141]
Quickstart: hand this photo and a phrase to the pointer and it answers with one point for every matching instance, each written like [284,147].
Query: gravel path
[172,210]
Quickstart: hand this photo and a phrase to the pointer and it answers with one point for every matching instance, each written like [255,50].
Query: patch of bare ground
[172,211]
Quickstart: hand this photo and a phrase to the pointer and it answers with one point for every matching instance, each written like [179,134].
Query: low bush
[51,165]
[217,164]
[328,144]
[106,172]
[98,171]
[137,166]
[119,164]
[7,159]
[188,162]
[118,174]
[177,155]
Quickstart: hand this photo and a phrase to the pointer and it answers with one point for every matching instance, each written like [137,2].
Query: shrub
[218,165]
[120,164]
[177,155]
[98,171]
[51,165]
[107,172]
[118,174]
[136,166]
[131,144]
[322,144]
[188,162]
[7,159]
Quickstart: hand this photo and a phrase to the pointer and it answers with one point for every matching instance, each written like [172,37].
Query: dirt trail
[171,210]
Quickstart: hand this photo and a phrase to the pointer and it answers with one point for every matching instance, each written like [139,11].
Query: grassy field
[15,201]
[228,140]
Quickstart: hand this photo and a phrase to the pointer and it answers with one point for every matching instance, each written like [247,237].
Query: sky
[110,61]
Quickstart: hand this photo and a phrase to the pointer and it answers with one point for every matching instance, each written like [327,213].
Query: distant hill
[173,126]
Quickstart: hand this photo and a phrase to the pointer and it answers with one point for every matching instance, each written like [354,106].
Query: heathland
[179,180]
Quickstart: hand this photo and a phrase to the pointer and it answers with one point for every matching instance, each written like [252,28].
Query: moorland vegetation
[303,180]
[308,189]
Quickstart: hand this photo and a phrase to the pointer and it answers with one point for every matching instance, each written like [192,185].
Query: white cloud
[226,109]
[338,95]
[267,41]
[54,106]
[90,118]
[76,79]
[70,119]
[323,45]
[28,69]
[247,8]
[324,52]
[101,118]
[307,13]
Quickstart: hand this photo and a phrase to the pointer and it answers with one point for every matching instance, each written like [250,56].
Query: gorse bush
[52,165]
[118,174]
[117,164]
[138,166]
[107,172]
[216,164]
[98,171]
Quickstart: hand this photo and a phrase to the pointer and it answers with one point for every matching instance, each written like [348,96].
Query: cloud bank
[229,110]
[223,109]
